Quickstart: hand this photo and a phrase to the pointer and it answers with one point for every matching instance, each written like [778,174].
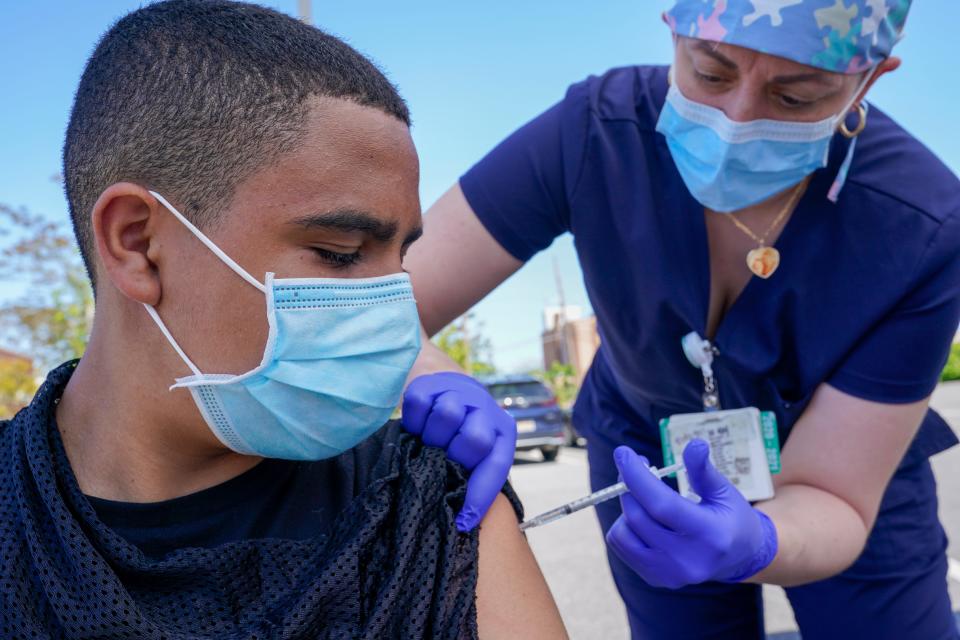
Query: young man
[243,188]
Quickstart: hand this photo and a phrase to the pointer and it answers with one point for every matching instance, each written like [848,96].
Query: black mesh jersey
[359,546]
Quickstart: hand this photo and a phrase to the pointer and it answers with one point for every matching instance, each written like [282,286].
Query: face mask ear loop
[856,94]
[227,260]
[166,333]
[833,194]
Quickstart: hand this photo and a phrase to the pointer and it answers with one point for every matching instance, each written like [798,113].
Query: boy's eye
[336,259]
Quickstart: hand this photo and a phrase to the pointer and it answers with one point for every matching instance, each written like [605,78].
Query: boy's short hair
[190,97]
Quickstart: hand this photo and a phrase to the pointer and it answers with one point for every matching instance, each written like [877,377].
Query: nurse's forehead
[738,58]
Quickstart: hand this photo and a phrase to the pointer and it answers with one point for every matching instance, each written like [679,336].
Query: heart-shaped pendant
[763,261]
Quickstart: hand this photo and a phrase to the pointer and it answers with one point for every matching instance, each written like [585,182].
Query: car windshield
[532,391]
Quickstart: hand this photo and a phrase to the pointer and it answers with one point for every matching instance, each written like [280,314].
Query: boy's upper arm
[513,600]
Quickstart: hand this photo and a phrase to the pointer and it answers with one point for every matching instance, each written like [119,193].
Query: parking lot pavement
[946,466]
[571,551]
[572,555]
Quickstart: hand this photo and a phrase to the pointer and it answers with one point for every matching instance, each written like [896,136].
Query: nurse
[807,245]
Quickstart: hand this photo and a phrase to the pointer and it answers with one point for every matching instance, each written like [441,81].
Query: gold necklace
[764,260]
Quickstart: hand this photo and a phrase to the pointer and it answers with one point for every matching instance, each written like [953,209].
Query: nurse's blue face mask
[336,359]
[730,165]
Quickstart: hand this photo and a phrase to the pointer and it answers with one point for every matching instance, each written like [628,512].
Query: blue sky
[472,72]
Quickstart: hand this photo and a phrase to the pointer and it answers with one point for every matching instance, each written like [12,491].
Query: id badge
[743,446]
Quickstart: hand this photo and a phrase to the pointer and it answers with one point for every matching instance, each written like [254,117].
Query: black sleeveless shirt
[363,545]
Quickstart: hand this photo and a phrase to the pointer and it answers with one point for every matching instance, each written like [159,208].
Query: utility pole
[303,8]
[468,347]
[562,318]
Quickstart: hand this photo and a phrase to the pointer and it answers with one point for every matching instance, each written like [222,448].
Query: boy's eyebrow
[349,220]
[413,236]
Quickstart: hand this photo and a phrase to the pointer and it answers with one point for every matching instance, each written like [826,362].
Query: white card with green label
[744,447]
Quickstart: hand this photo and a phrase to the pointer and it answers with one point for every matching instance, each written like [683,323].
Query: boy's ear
[124,226]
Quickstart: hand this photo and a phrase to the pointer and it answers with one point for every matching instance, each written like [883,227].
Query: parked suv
[540,422]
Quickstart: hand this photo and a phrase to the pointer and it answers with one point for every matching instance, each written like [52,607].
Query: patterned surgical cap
[846,36]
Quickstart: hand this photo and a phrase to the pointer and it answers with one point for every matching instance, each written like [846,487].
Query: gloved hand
[456,413]
[672,542]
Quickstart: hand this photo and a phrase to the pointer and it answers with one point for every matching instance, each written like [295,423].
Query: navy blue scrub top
[866,299]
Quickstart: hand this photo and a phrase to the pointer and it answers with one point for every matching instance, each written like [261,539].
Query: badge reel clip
[701,353]
[743,442]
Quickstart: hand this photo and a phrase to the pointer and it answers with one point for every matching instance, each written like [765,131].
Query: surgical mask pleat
[344,331]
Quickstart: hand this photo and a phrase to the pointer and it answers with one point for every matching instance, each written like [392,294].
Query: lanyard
[701,353]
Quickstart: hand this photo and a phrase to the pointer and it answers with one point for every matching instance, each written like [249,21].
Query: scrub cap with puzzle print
[844,36]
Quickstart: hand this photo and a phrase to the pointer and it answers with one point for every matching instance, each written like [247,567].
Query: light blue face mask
[730,165]
[336,359]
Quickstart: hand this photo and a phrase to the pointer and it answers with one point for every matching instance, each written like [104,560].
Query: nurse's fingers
[446,417]
[651,532]
[632,549]
[624,539]
[473,442]
[487,480]
[417,402]
[665,505]
[705,479]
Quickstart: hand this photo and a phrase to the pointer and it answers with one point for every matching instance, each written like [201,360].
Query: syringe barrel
[594,498]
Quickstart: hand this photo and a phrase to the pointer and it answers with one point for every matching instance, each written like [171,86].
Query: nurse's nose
[744,103]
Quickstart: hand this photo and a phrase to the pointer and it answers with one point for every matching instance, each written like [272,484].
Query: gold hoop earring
[862,111]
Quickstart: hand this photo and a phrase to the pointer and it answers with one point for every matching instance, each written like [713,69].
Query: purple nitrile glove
[673,542]
[456,413]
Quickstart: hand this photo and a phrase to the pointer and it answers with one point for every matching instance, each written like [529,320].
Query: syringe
[596,497]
